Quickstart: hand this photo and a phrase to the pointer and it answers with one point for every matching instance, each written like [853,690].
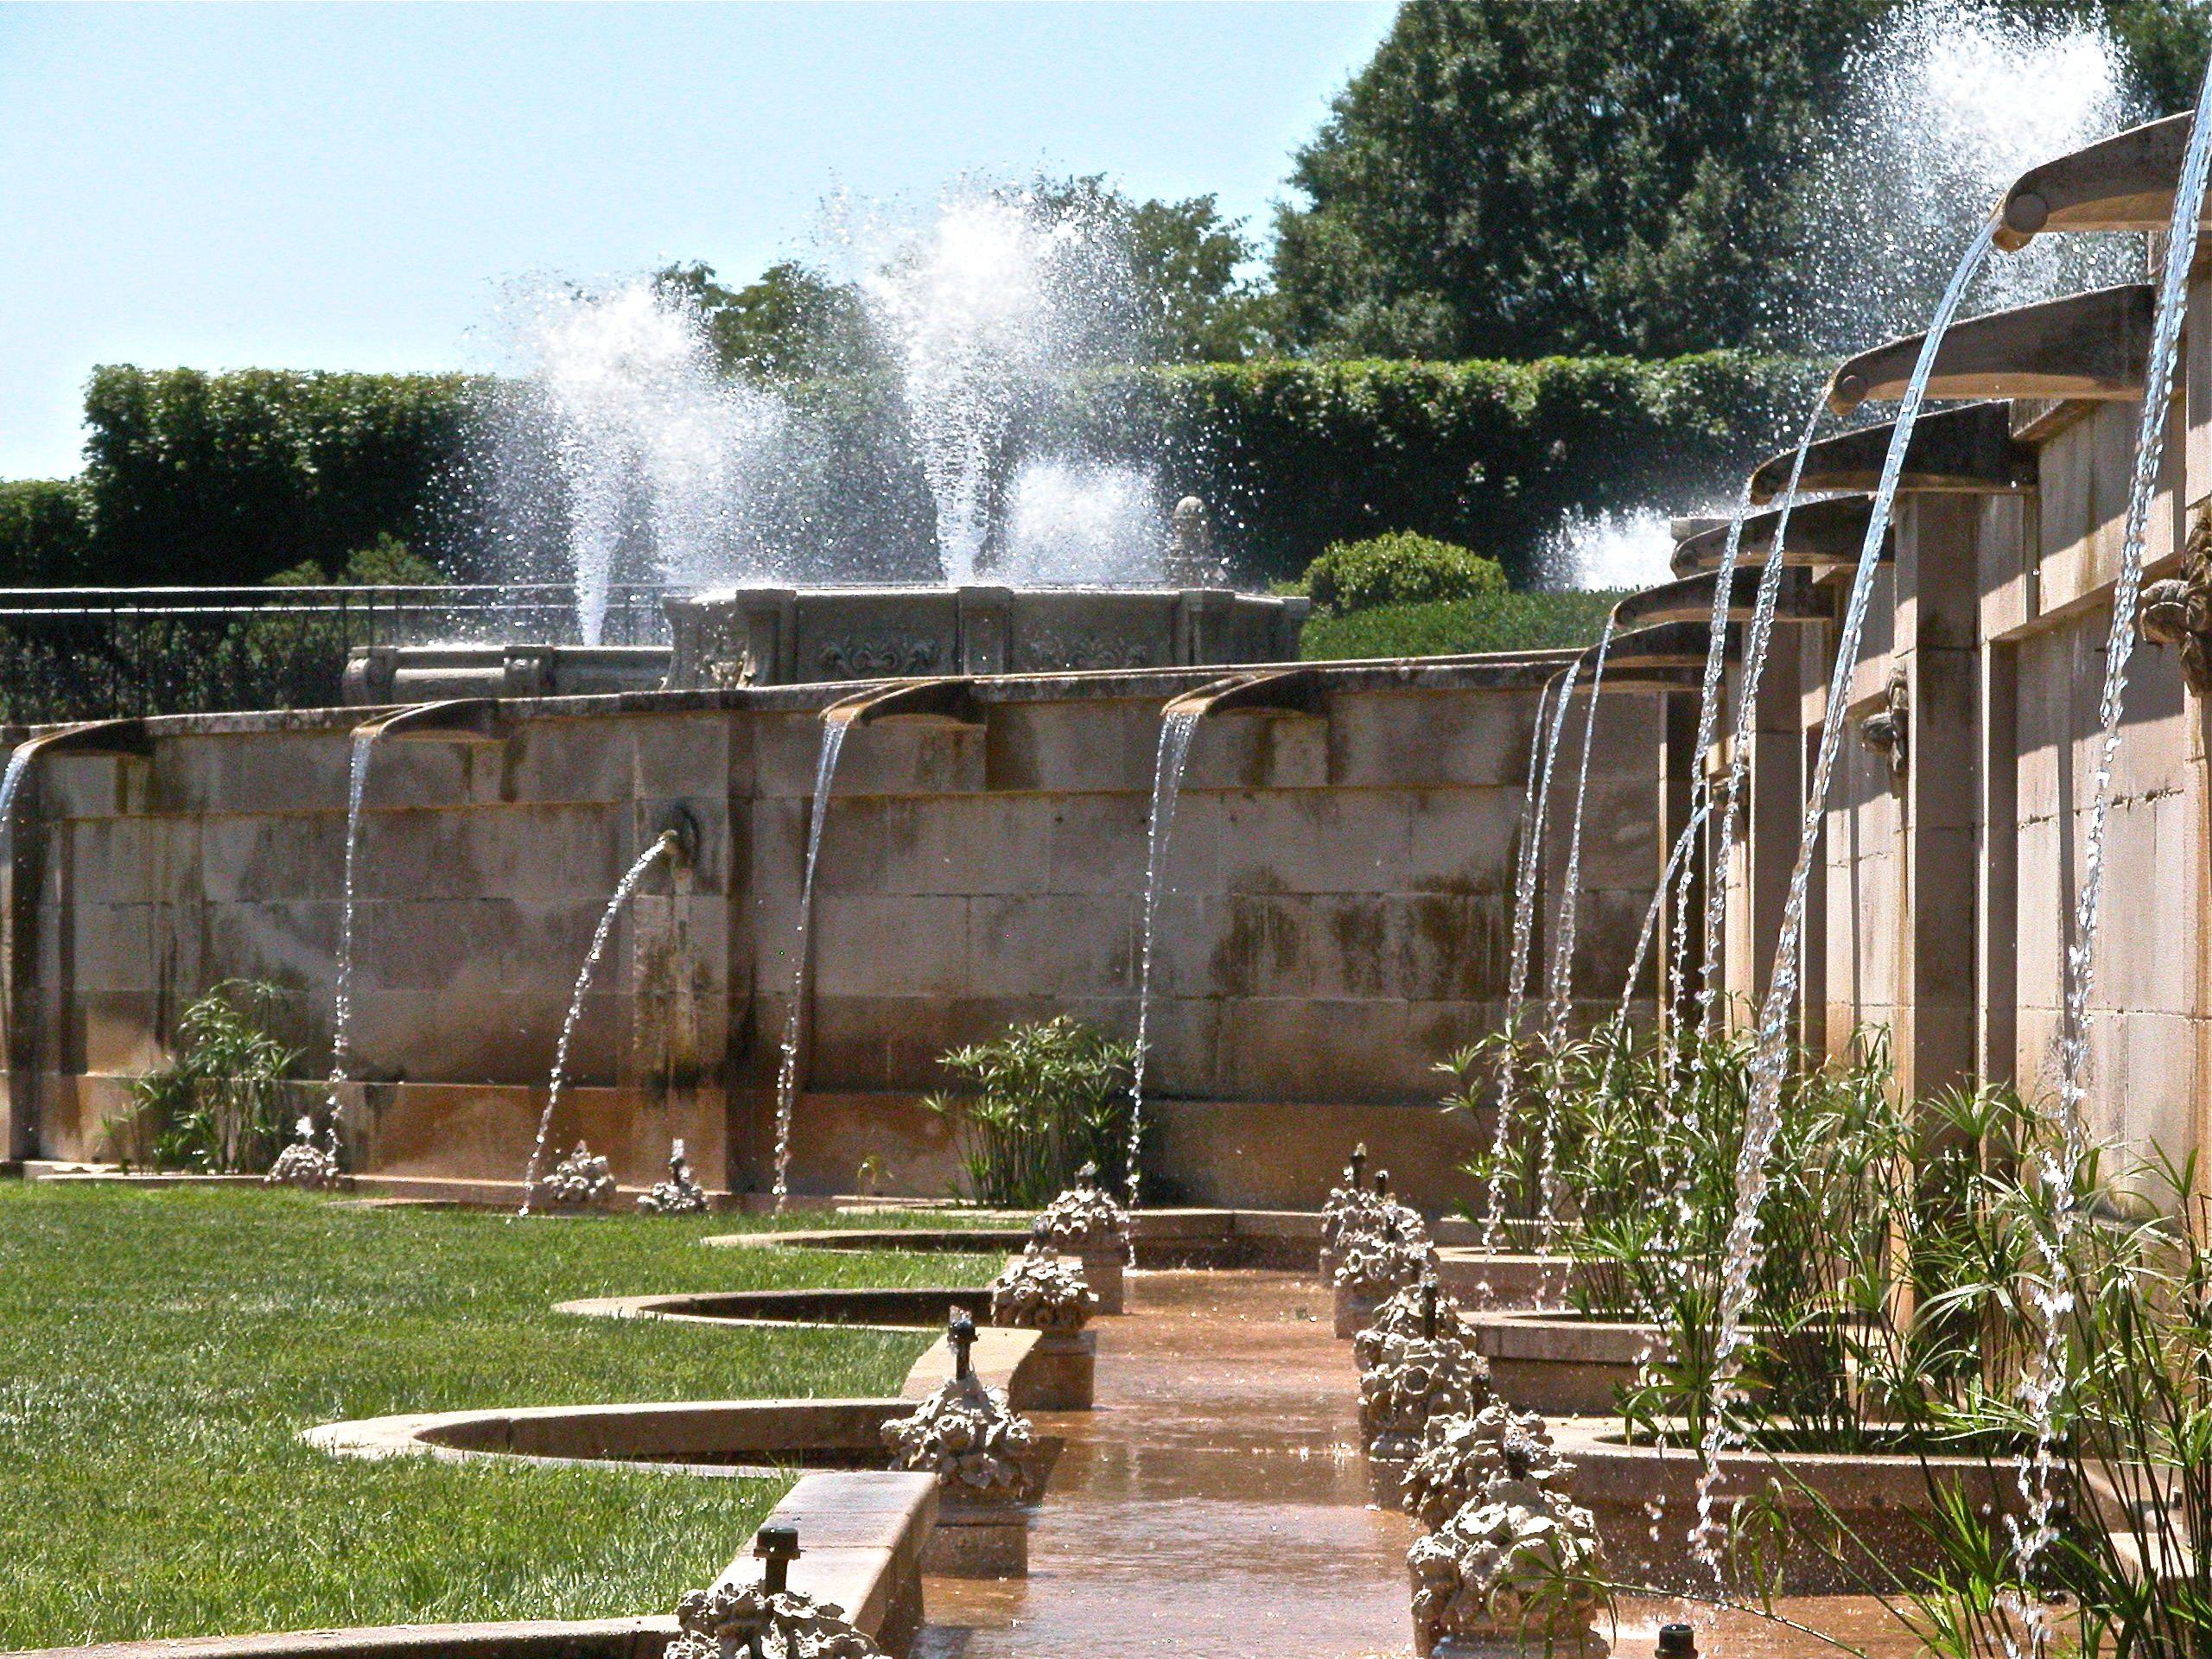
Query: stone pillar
[1997,905]
[1678,765]
[1767,822]
[1936,655]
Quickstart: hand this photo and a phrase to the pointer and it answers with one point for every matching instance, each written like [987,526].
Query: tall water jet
[2062,1163]
[1004,291]
[664,845]
[1543,754]
[1770,1056]
[1178,726]
[1091,524]
[1951,101]
[658,462]
[837,723]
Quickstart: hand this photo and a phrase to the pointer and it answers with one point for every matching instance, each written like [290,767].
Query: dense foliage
[1518,177]
[214,480]
[1035,1106]
[226,1101]
[46,535]
[1403,568]
[1454,627]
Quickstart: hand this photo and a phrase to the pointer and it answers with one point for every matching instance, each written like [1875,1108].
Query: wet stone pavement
[1216,1502]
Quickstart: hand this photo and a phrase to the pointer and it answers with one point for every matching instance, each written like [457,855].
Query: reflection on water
[1216,1502]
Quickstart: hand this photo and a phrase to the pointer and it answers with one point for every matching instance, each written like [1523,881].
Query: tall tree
[1522,177]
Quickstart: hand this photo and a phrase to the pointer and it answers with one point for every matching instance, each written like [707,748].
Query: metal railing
[102,653]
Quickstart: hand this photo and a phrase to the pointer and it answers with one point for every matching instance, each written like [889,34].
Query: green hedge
[46,535]
[208,480]
[1450,627]
[218,479]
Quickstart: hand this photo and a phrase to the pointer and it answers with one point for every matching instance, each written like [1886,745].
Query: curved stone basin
[1164,1239]
[1873,1508]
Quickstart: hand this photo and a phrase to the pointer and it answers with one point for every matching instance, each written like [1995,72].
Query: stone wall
[1335,920]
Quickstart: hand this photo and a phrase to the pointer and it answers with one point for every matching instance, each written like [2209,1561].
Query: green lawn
[160,1351]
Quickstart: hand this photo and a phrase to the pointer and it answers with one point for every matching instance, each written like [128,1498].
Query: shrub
[221,1104]
[1451,627]
[1039,1103]
[1403,568]
[46,535]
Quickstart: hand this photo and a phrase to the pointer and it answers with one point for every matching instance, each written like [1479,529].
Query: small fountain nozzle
[960,1336]
[1382,1183]
[1430,1290]
[1086,1178]
[778,1547]
[1677,1641]
[1360,1165]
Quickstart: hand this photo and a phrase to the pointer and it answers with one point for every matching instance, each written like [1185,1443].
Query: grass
[1446,627]
[160,1350]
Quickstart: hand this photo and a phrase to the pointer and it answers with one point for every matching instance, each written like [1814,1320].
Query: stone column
[1767,822]
[1678,765]
[1936,655]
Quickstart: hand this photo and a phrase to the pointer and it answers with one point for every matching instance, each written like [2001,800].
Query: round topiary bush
[1400,568]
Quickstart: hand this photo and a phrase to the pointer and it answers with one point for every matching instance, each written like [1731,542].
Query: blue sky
[344,186]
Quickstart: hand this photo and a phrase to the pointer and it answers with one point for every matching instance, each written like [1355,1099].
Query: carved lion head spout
[1887,731]
[2177,610]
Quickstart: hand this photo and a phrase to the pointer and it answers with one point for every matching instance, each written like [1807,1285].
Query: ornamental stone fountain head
[1413,1380]
[680,1194]
[1373,1266]
[1042,1290]
[2177,610]
[1349,1208]
[1086,1221]
[1513,1568]
[1407,1313]
[988,1462]
[580,1181]
[305,1165]
[767,1619]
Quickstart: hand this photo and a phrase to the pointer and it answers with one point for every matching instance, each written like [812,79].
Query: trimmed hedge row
[217,478]
[209,479]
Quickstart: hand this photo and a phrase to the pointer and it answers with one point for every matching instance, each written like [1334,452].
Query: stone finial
[1087,1220]
[1192,528]
[756,1621]
[680,1194]
[580,1181]
[1041,1290]
[967,1436]
[1460,1455]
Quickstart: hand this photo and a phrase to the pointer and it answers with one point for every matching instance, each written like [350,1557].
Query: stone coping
[1870,1508]
[862,1535]
[1163,1238]
[1565,1338]
[1516,1280]
[1503,671]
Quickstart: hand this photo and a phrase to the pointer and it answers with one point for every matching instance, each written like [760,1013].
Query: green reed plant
[224,1103]
[1036,1105]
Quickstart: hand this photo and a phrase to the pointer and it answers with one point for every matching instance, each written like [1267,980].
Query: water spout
[836,725]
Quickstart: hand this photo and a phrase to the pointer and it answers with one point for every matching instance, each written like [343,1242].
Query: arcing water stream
[2062,1166]
[1177,728]
[1747,700]
[1543,753]
[663,844]
[357,784]
[834,730]
[1770,1057]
